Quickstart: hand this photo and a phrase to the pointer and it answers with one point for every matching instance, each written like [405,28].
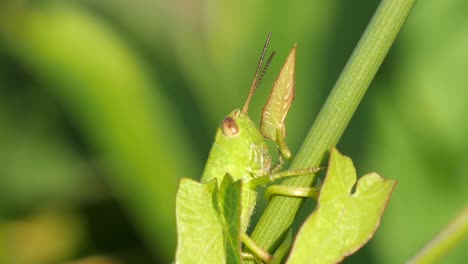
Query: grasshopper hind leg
[258,254]
[291,191]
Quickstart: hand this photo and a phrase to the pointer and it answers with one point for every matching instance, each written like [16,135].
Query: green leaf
[199,229]
[343,222]
[208,221]
[229,198]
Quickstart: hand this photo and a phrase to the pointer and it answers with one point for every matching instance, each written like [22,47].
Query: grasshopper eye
[230,127]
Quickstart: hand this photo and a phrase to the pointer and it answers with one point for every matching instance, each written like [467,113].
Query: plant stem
[448,238]
[335,115]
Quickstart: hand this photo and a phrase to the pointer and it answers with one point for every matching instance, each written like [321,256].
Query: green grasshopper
[240,148]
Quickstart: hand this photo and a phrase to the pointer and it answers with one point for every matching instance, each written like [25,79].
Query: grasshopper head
[240,133]
[239,149]
[238,126]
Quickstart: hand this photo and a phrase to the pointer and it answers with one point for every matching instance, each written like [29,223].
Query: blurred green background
[105,105]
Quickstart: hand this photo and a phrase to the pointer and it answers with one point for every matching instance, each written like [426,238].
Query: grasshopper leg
[257,252]
[280,252]
[248,256]
[279,165]
[265,179]
[281,141]
[293,173]
[292,191]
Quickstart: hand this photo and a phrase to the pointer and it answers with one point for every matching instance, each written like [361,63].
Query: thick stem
[335,114]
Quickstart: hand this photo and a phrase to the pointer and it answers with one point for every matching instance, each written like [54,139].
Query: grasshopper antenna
[265,68]
[258,74]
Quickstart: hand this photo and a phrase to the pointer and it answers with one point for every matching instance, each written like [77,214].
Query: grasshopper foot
[291,191]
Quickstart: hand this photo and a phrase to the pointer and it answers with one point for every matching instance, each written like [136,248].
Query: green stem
[448,238]
[335,114]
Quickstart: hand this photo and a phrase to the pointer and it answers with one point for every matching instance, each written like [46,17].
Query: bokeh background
[105,105]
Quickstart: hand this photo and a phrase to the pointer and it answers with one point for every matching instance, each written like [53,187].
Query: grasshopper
[240,148]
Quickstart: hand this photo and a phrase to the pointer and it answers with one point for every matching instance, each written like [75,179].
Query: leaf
[281,98]
[199,229]
[208,221]
[342,222]
[229,198]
